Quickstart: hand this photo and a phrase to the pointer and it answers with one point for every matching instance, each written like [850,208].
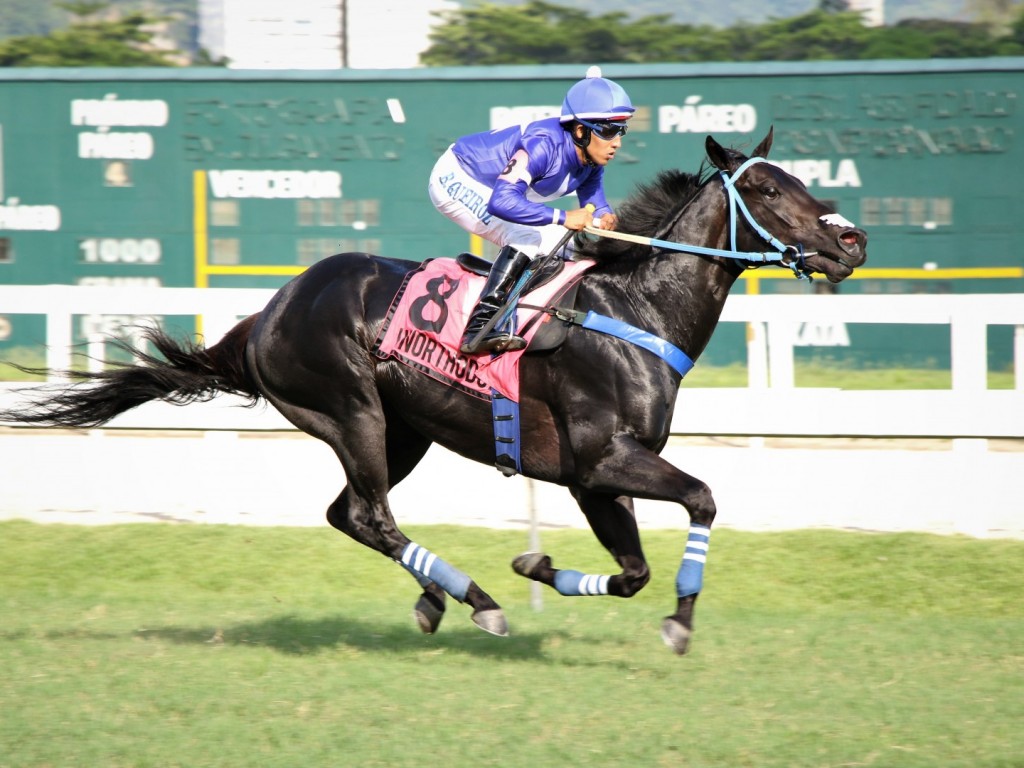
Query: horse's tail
[186,373]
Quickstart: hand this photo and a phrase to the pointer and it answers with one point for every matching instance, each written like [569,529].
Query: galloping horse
[595,411]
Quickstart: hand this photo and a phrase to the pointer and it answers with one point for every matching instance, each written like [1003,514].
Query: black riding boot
[507,267]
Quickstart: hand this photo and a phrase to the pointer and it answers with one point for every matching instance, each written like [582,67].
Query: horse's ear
[716,154]
[765,146]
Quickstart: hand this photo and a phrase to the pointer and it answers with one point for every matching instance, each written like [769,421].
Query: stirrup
[506,342]
[493,343]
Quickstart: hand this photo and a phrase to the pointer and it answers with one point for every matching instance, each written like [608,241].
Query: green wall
[108,175]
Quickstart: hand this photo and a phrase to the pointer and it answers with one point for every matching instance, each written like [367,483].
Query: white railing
[769,406]
[772,406]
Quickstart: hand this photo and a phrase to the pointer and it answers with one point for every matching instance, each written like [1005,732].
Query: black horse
[595,411]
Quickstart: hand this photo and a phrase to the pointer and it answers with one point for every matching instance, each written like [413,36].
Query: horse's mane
[645,212]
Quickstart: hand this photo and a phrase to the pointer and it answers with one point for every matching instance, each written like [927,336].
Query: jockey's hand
[607,221]
[578,219]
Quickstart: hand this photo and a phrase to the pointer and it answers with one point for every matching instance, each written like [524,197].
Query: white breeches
[463,199]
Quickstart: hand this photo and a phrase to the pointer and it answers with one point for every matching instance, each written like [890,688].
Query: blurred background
[231,144]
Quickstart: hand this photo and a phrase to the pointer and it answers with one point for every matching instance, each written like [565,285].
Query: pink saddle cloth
[426,321]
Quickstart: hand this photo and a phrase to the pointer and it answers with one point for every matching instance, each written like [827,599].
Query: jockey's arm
[591,192]
[509,201]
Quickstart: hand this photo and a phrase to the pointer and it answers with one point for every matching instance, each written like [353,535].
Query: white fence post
[781,334]
[1018,357]
[58,342]
[96,350]
[968,352]
[757,356]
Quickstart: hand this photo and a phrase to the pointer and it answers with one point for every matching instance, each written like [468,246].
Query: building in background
[872,11]
[317,34]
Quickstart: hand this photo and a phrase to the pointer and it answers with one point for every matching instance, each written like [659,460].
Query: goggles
[605,131]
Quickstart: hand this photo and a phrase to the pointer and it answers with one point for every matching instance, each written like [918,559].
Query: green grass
[816,374]
[159,645]
[30,357]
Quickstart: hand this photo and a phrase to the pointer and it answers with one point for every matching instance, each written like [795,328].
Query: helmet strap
[583,141]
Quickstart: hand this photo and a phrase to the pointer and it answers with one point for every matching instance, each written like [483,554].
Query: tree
[997,14]
[118,42]
[1015,37]
[818,35]
[932,39]
[540,32]
[495,34]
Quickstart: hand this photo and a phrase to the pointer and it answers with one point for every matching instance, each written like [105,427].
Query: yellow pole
[200,237]
[200,229]
[476,245]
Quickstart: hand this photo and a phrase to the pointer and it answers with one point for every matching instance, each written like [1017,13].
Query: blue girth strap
[667,351]
[506,412]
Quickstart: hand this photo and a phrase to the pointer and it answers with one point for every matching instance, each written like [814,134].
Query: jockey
[494,184]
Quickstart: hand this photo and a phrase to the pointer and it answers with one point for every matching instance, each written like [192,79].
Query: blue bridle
[736,201]
[778,256]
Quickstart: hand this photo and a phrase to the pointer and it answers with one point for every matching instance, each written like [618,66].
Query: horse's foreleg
[614,523]
[639,472]
[538,567]
[677,628]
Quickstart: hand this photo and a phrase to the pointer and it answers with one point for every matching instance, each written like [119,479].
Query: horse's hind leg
[405,449]
[362,510]
[351,514]
[614,523]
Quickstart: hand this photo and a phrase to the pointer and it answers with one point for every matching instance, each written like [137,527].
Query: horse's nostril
[852,238]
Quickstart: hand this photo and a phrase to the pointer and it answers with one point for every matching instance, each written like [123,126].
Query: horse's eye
[769,191]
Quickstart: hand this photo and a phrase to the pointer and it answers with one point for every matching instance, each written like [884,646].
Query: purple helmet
[596,99]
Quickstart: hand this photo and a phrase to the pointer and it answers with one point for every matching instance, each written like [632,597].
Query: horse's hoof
[493,621]
[675,635]
[528,563]
[428,614]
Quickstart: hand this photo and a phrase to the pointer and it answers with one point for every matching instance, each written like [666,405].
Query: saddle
[558,310]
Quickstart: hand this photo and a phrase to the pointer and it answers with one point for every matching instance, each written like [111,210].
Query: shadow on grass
[294,635]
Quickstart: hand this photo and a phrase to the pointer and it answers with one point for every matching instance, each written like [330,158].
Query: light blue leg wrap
[691,571]
[423,563]
[573,583]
